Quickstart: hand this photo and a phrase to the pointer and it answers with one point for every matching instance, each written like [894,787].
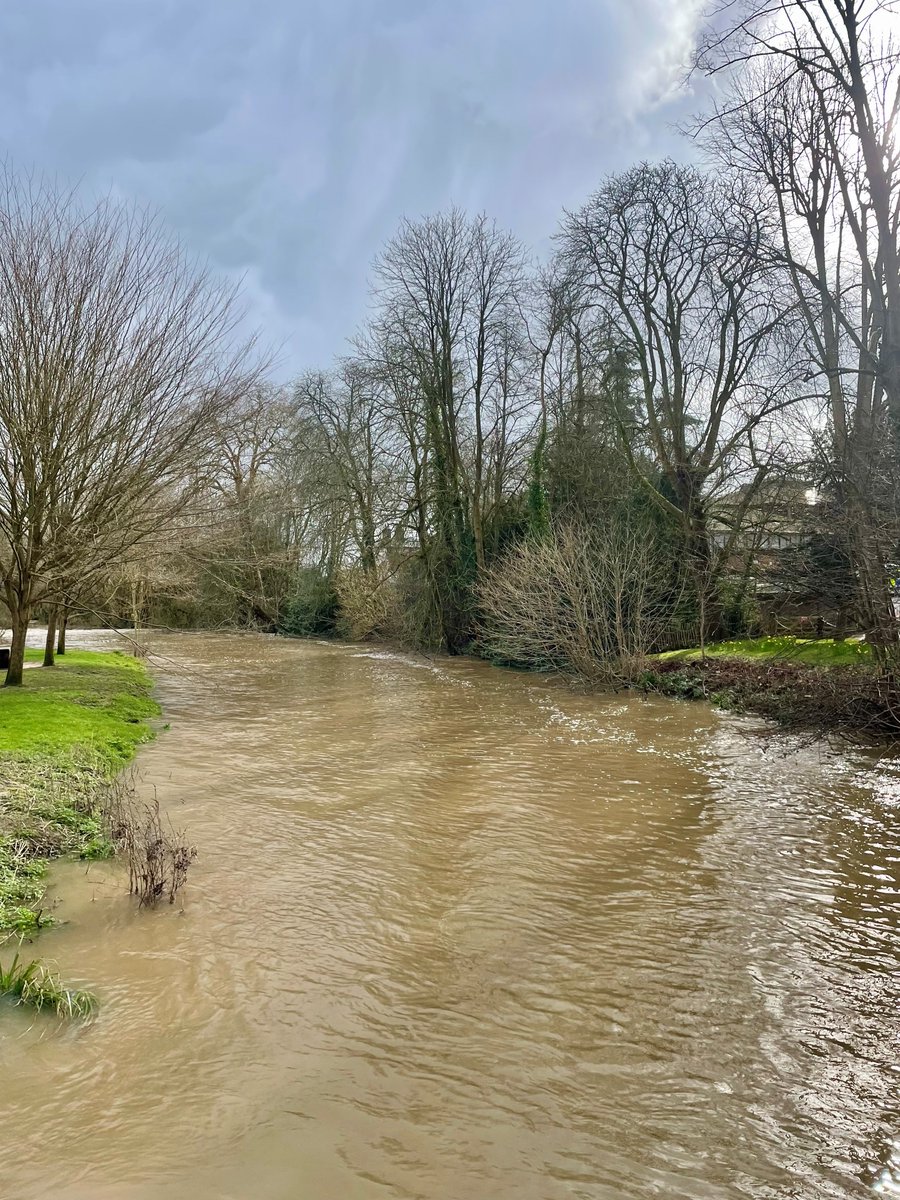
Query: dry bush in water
[590,603]
[157,854]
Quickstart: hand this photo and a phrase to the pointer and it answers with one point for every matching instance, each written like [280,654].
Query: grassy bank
[63,734]
[812,652]
[813,686]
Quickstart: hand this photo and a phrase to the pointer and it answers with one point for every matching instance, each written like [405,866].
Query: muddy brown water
[456,932]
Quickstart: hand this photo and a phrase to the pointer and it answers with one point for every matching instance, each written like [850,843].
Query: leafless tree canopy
[810,111]
[678,264]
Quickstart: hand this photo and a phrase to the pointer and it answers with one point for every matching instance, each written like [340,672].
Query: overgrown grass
[815,652]
[35,984]
[63,735]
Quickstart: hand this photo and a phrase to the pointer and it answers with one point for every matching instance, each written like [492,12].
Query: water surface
[457,933]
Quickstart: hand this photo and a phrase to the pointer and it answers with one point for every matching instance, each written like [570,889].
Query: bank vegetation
[64,741]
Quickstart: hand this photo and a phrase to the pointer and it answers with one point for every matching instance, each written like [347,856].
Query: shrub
[588,602]
[158,855]
[363,604]
[312,607]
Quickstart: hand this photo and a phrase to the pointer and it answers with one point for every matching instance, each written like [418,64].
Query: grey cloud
[284,140]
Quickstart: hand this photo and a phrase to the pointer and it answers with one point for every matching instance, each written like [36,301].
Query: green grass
[824,652]
[89,700]
[65,732]
[33,983]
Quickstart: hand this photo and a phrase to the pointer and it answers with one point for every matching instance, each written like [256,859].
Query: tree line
[561,465]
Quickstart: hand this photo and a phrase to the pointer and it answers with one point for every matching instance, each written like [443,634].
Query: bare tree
[546,310]
[846,55]
[116,353]
[586,397]
[492,348]
[677,263]
[246,546]
[449,328]
[342,427]
[813,113]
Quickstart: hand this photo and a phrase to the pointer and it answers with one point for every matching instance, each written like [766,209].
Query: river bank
[63,736]
[801,685]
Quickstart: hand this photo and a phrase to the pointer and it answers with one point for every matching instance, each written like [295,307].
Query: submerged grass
[37,985]
[63,735]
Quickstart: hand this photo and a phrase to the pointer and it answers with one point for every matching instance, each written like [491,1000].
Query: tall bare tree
[448,320]
[676,262]
[840,61]
[772,126]
[341,424]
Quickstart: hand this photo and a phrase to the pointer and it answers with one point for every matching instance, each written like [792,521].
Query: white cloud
[657,64]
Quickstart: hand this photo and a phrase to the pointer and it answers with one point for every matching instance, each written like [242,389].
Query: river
[459,933]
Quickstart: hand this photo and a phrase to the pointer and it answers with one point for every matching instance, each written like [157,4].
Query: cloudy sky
[284,139]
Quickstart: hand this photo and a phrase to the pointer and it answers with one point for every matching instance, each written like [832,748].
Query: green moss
[818,652]
[63,734]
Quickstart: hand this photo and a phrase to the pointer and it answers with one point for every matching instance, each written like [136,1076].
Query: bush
[588,602]
[399,605]
[363,605]
[413,616]
[312,607]
[157,854]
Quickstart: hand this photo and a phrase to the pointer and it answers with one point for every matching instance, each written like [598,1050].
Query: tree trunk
[478,535]
[61,639]
[17,649]
[875,601]
[878,612]
[580,397]
[51,637]
[703,571]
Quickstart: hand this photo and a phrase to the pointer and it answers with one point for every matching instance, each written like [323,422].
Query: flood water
[457,933]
